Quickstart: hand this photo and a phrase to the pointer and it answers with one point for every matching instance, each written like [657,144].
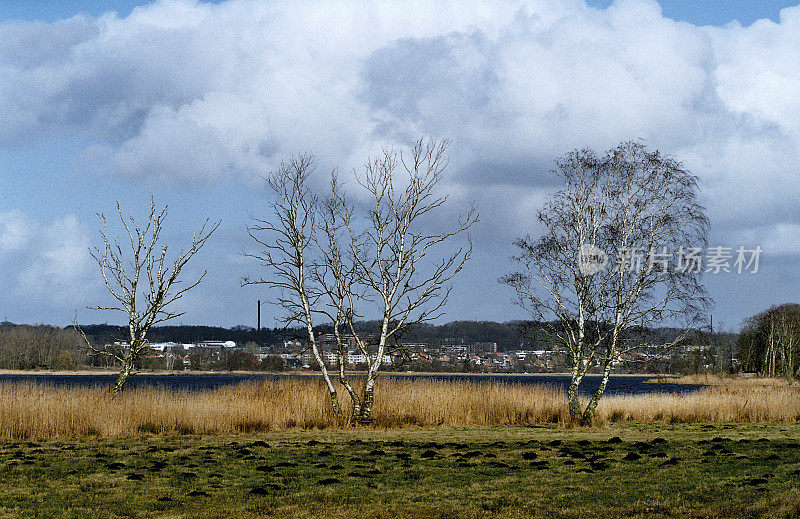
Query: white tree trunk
[573,396]
[374,366]
[588,413]
[341,355]
[128,364]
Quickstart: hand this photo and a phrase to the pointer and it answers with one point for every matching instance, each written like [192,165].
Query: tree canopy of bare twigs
[330,261]
[288,242]
[337,278]
[770,342]
[143,281]
[637,210]
[397,260]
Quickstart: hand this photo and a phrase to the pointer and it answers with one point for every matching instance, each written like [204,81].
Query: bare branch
[122,269]
[287,250]
[630,199]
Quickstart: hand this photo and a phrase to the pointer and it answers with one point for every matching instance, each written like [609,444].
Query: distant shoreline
[311,373]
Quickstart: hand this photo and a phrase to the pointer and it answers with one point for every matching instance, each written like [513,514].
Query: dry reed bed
[709,379]
[728,403]
[29,411]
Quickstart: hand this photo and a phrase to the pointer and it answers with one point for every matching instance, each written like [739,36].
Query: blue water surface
[619,385]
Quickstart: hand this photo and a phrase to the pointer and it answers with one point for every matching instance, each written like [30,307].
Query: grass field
[677,470]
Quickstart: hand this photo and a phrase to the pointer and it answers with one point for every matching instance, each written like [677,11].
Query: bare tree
[788,332]
[337,276]
[142,281]
[29,347]
[618,253]
[396,259]
[324,261]
[769,342]
[287,249]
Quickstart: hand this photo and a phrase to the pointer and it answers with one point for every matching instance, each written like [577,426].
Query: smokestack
[259,315]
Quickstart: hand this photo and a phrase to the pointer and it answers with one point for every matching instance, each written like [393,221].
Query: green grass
[473,472]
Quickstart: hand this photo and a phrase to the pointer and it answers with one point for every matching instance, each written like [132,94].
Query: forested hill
[103,333]
[29,346]
[509,336]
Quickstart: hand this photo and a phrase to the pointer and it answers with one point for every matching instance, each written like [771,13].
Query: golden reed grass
[710,379]
[32,411]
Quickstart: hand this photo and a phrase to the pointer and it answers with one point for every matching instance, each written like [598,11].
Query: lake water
[620,385]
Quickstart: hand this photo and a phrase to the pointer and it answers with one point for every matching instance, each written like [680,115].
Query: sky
[195,103]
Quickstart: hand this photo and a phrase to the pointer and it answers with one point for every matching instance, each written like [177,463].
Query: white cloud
[781,239]
[15,230]
[228,87]
[180,88]
[64,255]
[195,91]
[49,263]
[759,69]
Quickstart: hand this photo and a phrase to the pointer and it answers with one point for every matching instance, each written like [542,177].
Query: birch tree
[288,244]
[788,332]
[398,260]
[770,342]
[326,261]
[143,281]
[337,276]
[619,252]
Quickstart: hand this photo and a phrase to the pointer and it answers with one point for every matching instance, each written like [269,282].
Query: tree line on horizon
[31,347]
